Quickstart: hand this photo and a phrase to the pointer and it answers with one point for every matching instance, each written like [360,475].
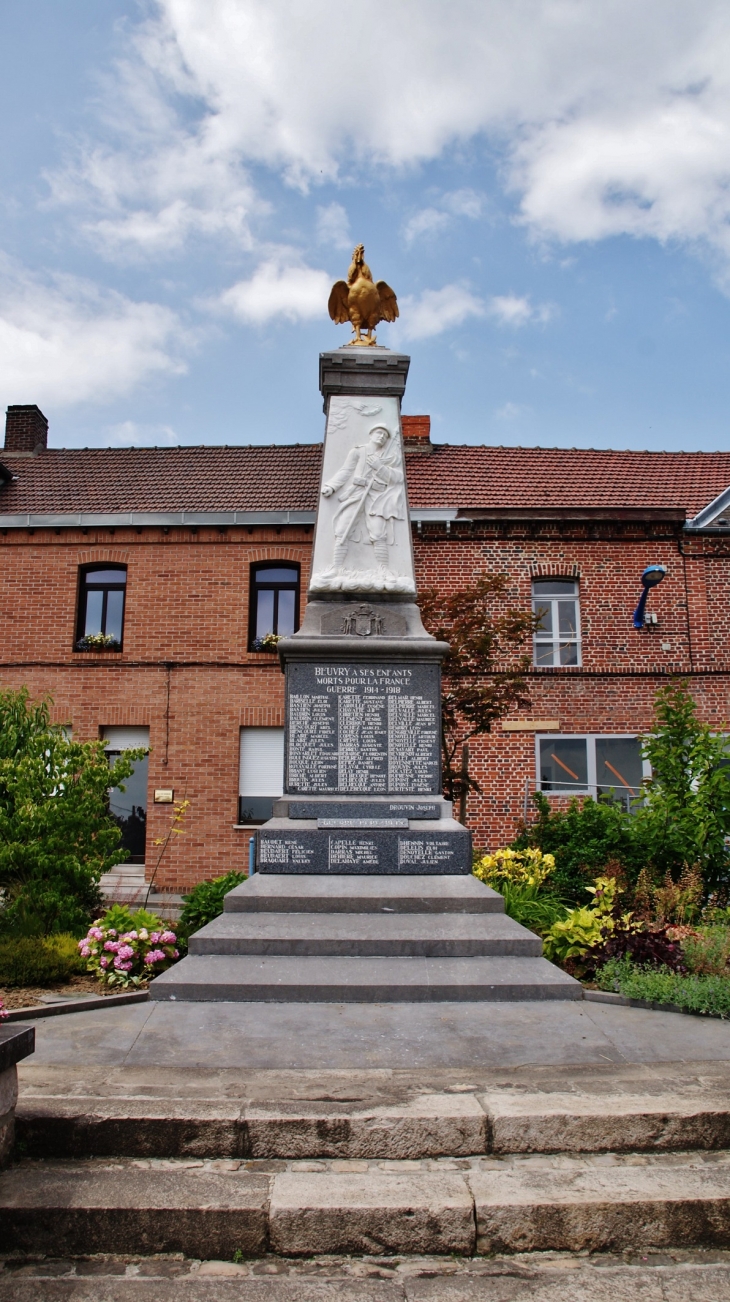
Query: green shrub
[531,906]
[205,902]
[695,994]
[121,918]
[707,951]
[32,961]
[57,836]
[587,839]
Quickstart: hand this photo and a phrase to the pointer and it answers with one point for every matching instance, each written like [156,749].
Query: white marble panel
[363,536]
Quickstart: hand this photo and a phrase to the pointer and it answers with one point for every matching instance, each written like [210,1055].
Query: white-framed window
[580,764]
[556,604]
[129,807]
[261,773]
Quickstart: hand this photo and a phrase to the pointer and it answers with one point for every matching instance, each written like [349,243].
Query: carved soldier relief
[363,541]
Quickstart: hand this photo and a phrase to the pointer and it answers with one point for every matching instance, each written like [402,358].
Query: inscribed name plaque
[363,850]
[363,729]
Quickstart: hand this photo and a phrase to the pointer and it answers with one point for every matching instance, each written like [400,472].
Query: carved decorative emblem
[363,622]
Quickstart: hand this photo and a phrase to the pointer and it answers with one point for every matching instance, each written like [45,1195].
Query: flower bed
[125,956]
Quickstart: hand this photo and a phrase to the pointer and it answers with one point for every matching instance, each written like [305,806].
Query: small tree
[484,673]
[686,815]
[56,834]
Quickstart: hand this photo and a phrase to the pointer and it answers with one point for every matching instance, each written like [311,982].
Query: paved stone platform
[388,1037]
[652,1276]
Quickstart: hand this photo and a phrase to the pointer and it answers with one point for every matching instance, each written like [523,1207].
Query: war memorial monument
[363,887]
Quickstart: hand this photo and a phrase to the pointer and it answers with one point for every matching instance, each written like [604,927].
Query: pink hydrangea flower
[155,956]
[86,951]
[95,933]
[82,943]
[126,967]
[154,938]
[125,951]
[104,962]
[112,946]
[3,1011]
[111,932]
[168,938]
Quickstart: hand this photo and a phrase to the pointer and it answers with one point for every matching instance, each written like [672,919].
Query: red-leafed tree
[483,677]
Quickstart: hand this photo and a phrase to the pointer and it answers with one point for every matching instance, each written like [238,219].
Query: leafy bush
[646,948]
[583,929]
[56,834]
[533,908]
[584,840]
[707,951]
[33,961]
[121,955]
[685,818]
[205,901]
[696,994]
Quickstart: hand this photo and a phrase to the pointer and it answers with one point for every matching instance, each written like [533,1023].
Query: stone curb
[76,1006]
[607,997]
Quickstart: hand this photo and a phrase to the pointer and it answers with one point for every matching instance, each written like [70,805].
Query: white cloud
[65,341]
[611,116]
[130,434]
[277,289]
[333,226]
[511,310]
[429,221]
[509,411]
[436,310]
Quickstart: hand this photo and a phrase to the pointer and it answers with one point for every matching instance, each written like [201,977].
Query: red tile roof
[286,478]
[569,478]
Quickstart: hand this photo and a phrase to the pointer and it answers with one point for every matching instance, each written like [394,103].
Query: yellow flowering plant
[520,877]
[529,867]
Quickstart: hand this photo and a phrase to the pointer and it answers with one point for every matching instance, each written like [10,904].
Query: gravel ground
[28,996]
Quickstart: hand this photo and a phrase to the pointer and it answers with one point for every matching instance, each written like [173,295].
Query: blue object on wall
[652,575]
[251,855]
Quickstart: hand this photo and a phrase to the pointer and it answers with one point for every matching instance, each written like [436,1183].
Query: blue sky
[544,183]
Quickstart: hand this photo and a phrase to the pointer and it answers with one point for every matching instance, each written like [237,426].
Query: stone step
[399,1126]
[286,979]
[220,1208]
[455,935]
[682,1275]
[301,893]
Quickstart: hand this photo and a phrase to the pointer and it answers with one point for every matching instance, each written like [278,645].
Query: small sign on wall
[164,795]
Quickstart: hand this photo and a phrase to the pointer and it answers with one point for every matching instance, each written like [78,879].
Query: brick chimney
[26,429]
[417,433]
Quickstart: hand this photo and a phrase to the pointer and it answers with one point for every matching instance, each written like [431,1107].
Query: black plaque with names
[363,850]
[363,729]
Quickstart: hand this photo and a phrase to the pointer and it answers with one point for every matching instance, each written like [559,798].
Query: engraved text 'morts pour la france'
[358,728]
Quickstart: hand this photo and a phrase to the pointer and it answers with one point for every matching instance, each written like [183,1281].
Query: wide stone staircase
[288,937]
[300,1164]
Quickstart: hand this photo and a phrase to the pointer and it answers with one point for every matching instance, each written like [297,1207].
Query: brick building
[182,558]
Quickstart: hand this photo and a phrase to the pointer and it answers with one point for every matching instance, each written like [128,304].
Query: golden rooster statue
[360,301]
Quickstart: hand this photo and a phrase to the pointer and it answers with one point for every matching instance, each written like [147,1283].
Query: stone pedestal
[16,1042]
[362,779]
